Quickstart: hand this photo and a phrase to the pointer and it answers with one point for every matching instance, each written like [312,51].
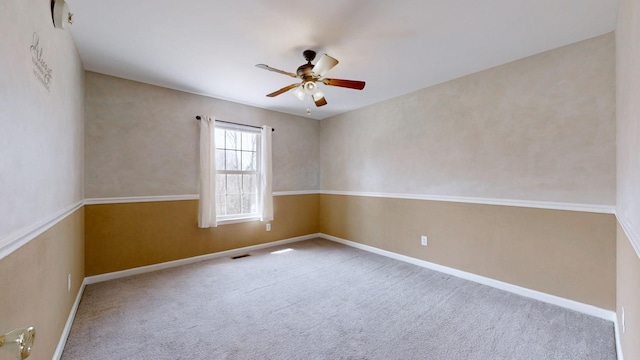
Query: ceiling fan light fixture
[310,87]
[318,95]
[299,93]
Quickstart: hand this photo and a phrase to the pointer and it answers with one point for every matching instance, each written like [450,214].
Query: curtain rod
[229,122]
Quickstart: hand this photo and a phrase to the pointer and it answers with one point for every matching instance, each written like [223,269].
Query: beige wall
[41,173]
[628,173]
[142,140]
[124,236]
[564,253]
[628,112]
[33,284]
[541,128]
[628,285]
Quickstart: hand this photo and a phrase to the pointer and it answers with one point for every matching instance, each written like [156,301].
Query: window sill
[237,220]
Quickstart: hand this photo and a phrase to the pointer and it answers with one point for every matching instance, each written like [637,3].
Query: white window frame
[236,218]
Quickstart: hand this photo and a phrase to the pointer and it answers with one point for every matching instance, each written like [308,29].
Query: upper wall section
[41,119]
[541,129]
[628,113]
[142,140]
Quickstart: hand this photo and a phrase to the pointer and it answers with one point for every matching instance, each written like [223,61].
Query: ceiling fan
[310,75]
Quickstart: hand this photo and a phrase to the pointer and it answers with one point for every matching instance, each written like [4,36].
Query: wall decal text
[41,70]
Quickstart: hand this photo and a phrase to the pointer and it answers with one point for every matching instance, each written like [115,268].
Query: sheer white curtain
[266,199]
[207,183]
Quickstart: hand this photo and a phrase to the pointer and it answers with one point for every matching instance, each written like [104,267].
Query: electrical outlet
[423,240]
[268,227]
[624,326]
[69,282]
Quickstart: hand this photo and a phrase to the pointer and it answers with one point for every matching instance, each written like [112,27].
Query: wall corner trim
[632,233]
[17,239]
[533,294]
[550,205]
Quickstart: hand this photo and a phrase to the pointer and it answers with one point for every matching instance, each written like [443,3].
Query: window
[235,175]
[237,172]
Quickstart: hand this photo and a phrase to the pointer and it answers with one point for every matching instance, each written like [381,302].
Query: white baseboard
[619,353]
[191,260]
[67,326]
[533,294]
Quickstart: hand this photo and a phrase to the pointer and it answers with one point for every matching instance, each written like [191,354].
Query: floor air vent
[240,256]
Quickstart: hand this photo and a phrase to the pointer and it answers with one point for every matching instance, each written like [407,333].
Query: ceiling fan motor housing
[309,55]
[305,72]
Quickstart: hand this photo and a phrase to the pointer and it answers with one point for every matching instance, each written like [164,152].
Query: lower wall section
[129,235]
[33,284]
[564,253]
[628,284]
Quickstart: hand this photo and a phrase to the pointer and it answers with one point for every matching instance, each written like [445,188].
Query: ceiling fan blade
[283,90]
[325,64]
[321,102]
[267,67]
[351,84]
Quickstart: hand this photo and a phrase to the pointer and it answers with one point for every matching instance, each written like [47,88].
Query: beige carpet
[322,300]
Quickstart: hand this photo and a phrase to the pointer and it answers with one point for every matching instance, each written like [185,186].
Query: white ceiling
[211,47]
